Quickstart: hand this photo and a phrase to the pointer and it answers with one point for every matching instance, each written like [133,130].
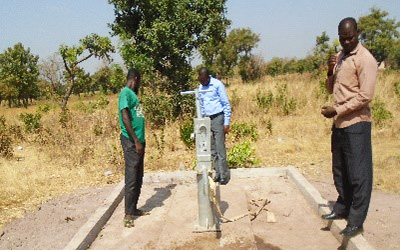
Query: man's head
[348,34]
[133,80]
[204,76]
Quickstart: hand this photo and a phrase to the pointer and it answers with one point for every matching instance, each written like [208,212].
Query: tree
[394,57]
[117,78]
[18,75]
[236,49]
[92,45]
[378,33]
[109,78]
[251,68]
[52,71]
[160,37]
[83,83]
[322,51]
[101,79]
[275,66]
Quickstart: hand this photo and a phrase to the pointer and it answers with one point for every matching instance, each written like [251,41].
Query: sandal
[128,221]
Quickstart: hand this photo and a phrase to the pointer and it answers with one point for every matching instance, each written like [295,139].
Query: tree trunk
[65,99]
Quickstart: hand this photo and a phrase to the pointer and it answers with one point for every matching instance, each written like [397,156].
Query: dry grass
[57,161]
[302,139]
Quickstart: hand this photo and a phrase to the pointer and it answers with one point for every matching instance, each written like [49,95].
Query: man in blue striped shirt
[215,104]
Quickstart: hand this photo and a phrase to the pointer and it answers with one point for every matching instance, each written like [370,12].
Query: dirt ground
[54,223]
[381,228]
[66,214]
[173,211]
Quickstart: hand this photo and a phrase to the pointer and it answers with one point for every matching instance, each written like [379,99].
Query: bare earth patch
[381,228]
[54,223]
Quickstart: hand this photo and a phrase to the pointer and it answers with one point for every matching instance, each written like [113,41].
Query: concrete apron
[172,201]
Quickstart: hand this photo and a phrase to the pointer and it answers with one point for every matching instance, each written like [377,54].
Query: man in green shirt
[131,121]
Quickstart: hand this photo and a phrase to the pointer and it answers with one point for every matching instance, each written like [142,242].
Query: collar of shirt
[353,52]
[209,84]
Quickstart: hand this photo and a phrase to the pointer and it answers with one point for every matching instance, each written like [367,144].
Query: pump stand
[207,220]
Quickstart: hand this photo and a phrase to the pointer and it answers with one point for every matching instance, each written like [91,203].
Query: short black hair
[203,69]
[350,20]
[132,73]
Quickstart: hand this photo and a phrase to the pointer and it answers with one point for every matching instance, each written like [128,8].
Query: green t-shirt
[128,99]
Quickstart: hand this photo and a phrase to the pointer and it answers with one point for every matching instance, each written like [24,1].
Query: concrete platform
[171,199]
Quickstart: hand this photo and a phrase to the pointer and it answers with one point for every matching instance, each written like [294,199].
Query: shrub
[46,137]
[242,155]
[90,107]
[102,102]
[97,129]
[157,108]
[379,113]
[16,132]
[396,86]
[322,92]
[234,100]
[6,149]
[186,129]
[31,121]
[43,108]
[251,68]
[264,101]
[244,131]
[268,126]
[65,117]
[80,106]
[287,105]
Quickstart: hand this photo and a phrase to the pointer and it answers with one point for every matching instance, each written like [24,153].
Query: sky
[287,28]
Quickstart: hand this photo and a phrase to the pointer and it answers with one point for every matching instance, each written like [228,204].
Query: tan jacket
[352,85]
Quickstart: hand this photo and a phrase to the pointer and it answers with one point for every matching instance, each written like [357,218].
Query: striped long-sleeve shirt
[215,101]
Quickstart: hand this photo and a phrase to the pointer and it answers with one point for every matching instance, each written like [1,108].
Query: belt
[215,115]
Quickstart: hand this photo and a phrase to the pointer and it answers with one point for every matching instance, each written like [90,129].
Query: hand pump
[207,220]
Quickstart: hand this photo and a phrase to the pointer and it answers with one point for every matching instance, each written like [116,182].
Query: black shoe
[216,179]
[139,212]
[351,231]
[333,216]
[223,181]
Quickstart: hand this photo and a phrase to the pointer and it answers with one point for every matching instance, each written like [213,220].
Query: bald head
[348,23]
[204,75]
[348,34]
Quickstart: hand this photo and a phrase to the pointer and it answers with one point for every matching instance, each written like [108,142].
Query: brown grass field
[57,160]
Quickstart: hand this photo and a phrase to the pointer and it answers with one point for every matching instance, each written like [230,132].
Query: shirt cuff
[227,122]
[340,110]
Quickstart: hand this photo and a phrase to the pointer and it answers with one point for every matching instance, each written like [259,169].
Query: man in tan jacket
[351,79]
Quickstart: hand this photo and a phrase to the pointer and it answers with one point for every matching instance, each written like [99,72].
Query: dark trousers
[133,175]
[352,170]
[218,149]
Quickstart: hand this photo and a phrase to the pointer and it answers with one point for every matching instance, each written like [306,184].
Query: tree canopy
[379,33]
[18,75]
[92,45]
[237,46]
[160,37]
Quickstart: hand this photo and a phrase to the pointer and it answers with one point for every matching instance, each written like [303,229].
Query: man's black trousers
[352,170]
[133,175]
